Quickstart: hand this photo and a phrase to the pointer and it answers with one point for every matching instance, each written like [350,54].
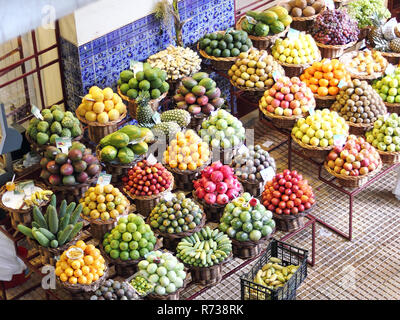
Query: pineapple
[395,45]
[144,113]
[180,116]
[375,36]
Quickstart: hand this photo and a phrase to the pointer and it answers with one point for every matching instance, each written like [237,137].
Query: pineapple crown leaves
[143,98]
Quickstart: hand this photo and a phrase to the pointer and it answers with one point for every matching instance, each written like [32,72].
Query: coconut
[308,12]
[296,12]
[302,4]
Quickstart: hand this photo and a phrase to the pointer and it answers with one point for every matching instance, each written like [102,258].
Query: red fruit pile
[288,193]
[356,157]
[218,184]
[146,180]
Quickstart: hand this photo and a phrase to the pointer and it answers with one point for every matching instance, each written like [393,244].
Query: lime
[137,236]
[143,243]
[131,227]
[124,255]
[114,254]
[107,248]
[245,216]
[114,244]
[124,246]
[144,85]
[134,254]
[137,220]
[131,217]
[122,227]
[150,246]
[142,229]
[147,235]
[133,245]
[127,236]
[151,268]
[143,252]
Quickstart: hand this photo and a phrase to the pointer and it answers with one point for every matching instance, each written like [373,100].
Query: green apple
[391,148]
[384,89]
[387,140]
[305,139]
[392,92]
[310,132]
[382,146]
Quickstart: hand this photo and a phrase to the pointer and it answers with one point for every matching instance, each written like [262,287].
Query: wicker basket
[24,171]
[172,296]
[132,104]
[391,57]
[41,148]
[255,188]
[252,94]
[304,23]
[184,179]
[293,70]
[98,131]
[196,120]
[312,152]
[322,102]
[282,122]
[262,43]
[248,249]
[290,223]
[171,240]
[144,204]
[393,107]
[21,216]
[359,129]
[352,181]
[347,57]
[51,255]
[389,157]
[333,51]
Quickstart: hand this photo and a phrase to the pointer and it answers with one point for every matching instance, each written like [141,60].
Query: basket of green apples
[388,88]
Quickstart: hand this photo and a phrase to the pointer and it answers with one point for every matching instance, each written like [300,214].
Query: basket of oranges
[185,157]
[325,78]
[102,205]
[102,111]
[81,268]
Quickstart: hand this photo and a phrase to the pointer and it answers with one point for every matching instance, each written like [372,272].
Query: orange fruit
[78,273]
[335,63]
[100,272]
[310,70]
[333,82]
[339,74]
[81,244]
[313,81]
[72,280]
[82,280]
[323,82]
[95,253]
[327,67]
[322,91]
[182,166]
[88,260]
[318,75]
[64,265]
[95,277]
[69,272]
[85,270]
[89,248]
[63,277]
[59,271]
[90,276]
[75,265]
[328,75]
[317,65]
[333,91]
[313,88]
[173,164]
[307,75]
[302,77]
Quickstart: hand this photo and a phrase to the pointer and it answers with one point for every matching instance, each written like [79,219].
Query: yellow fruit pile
[187,151]
[367,62]
[103,202]
[85,268]
[107,106]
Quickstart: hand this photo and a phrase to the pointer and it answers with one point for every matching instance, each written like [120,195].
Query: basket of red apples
[354,163]
[217,186]
[288,100]
[290,198]
[146,184]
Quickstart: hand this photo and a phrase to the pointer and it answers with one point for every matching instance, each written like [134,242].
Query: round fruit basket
[40,148]
[333,51]
[353,181]
[144,204]
[392,107]
[125,268]
[72,192]
[255,188]
[79,290]
[283,122]
[389,157]
[171,240]
[97,130]
[248,249]
[391,57]
[253,94]
[359,128]
[262,43]
[98,228]
[207,276]
[289,222]
[172,296]
[184,178]
[294,70]
[347,57]
[304,23]
[323,102]
[311,151]
[225,155]
[196,120]
[21,216]
[132,104]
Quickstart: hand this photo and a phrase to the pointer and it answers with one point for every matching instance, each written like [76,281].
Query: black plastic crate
[289,255]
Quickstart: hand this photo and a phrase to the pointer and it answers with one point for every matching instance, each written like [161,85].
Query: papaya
[140,148]
[268,17]
[108,153]
[132,131]
[253,14]
[277,27]
[119,140]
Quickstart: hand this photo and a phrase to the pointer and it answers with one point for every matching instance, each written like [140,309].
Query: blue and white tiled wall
[100,61]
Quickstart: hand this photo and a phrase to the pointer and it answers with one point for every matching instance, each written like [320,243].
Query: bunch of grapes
[335,27]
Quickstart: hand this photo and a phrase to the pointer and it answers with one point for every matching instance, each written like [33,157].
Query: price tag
[390,69]
[276,75]
[311,110]
[263,56]
[25,187]
[135,66]
[213,113]
[156,118]
[267,174]
[251,20]
[168,196]
[243,149]
[63,144]
[329,4]
[293,33]
[267,143]
[342,83]
[339,140]
[36,112]
[151,159]
[325,233]
[104,179]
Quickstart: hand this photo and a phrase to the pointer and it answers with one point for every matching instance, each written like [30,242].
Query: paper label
[243,149]
[136,141]
[135,66]
[311,110]
[36,112]
[251,20]
[342,83]
[263,56]
[293,33]
[168,196]
[267,174]
[339,140]
[267,143]
[390,69]
[87,99]
[151,159]
[25,187]
[156,118]
[104,179]
[63,144]
[329,4]
[276,75]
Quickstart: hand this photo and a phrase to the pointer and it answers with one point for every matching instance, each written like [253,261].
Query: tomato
[288,192]
[271,207]
[307,205]
[282,182]
[299,193]
[275,201]
[292,196]
[288,185]
[281,189]
[285,197]
[286,211]
[279,176]
[278,211]
[304,199]
[294,210]
[290,204]
[297,202]
[130,183]
[282,205]
[276,194]
[295,188]
[286,172]
[301,208]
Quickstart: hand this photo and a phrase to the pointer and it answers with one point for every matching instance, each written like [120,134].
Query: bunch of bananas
[37,197]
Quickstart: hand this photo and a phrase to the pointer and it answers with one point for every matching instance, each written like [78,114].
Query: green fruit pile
[245,218]
[180,214]
[388,87]
[124,145]
[54,229]
[164,271]
[225,44]
[55,124]
[131,239]
[204,248]
[268,22]
[141,285]
[385,135]
[150,79]
[222,130]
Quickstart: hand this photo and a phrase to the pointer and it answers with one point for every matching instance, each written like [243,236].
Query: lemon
[116,98]
[120,107]
[99,189]
[98,107]
[93,89]
[113,114]
[101,207]
[108,188]
[92,206]
[109,197]
[94,214]
[114,214]
[90,116]
[92,196]
[105,216]
[108,105]
[108,93]
[101,198]
[103,117]
[81,110]
[98,95]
